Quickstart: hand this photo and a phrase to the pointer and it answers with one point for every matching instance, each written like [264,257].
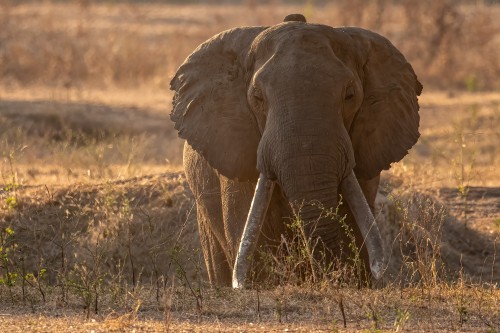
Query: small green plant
[374,317]
[462,313]
[87,282]
[281,299]
[11,197]
[355,257]
[35,281]
[496,223]
[402,318]
[292,262]
[12,184]
[8,245]
[89,276]
[278,310]
[196,291]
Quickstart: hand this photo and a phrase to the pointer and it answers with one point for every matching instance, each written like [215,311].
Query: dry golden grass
[92,191]
[459,142]
[54,136]
[66,45]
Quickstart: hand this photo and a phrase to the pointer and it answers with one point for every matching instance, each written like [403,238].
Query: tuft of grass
[300,259]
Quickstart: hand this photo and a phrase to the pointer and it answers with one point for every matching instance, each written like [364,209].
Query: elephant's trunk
[316,194]
[311,196]
[316,202]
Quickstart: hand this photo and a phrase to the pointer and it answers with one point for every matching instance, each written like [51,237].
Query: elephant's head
[303,105]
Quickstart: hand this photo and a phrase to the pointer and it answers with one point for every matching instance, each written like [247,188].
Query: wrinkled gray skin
[302,104]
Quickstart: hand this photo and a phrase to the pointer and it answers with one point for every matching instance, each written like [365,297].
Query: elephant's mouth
[260,203]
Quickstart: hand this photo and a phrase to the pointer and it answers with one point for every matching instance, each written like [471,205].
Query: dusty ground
[93,191]
[288,309]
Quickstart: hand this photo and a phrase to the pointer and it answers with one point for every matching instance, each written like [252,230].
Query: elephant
[281,116]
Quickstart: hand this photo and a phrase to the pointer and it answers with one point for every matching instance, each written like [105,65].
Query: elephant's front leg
[205,185]
[218,268]
[236,198]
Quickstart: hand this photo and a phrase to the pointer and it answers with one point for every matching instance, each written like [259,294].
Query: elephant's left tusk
[367,225]
[255,219]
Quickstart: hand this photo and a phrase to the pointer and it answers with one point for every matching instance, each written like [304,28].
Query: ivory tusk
[368,226]
[253,225]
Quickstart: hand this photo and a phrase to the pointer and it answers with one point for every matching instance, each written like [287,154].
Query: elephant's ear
[386,126]
[210,108]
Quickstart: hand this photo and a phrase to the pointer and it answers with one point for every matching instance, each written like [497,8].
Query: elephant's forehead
[291,35]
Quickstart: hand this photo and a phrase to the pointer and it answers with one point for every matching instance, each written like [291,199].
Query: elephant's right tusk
[255,219]
[367,225]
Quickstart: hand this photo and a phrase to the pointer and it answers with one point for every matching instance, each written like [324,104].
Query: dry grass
[459,142]
[286,309]
[97,227]
[55,137]
[128,45]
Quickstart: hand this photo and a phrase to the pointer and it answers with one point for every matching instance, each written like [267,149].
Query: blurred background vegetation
[451,44]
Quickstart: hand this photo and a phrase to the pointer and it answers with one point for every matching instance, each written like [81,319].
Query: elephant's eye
[349,93]
[257,94]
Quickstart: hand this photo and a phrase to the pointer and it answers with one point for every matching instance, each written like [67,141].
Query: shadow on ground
[453,234]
